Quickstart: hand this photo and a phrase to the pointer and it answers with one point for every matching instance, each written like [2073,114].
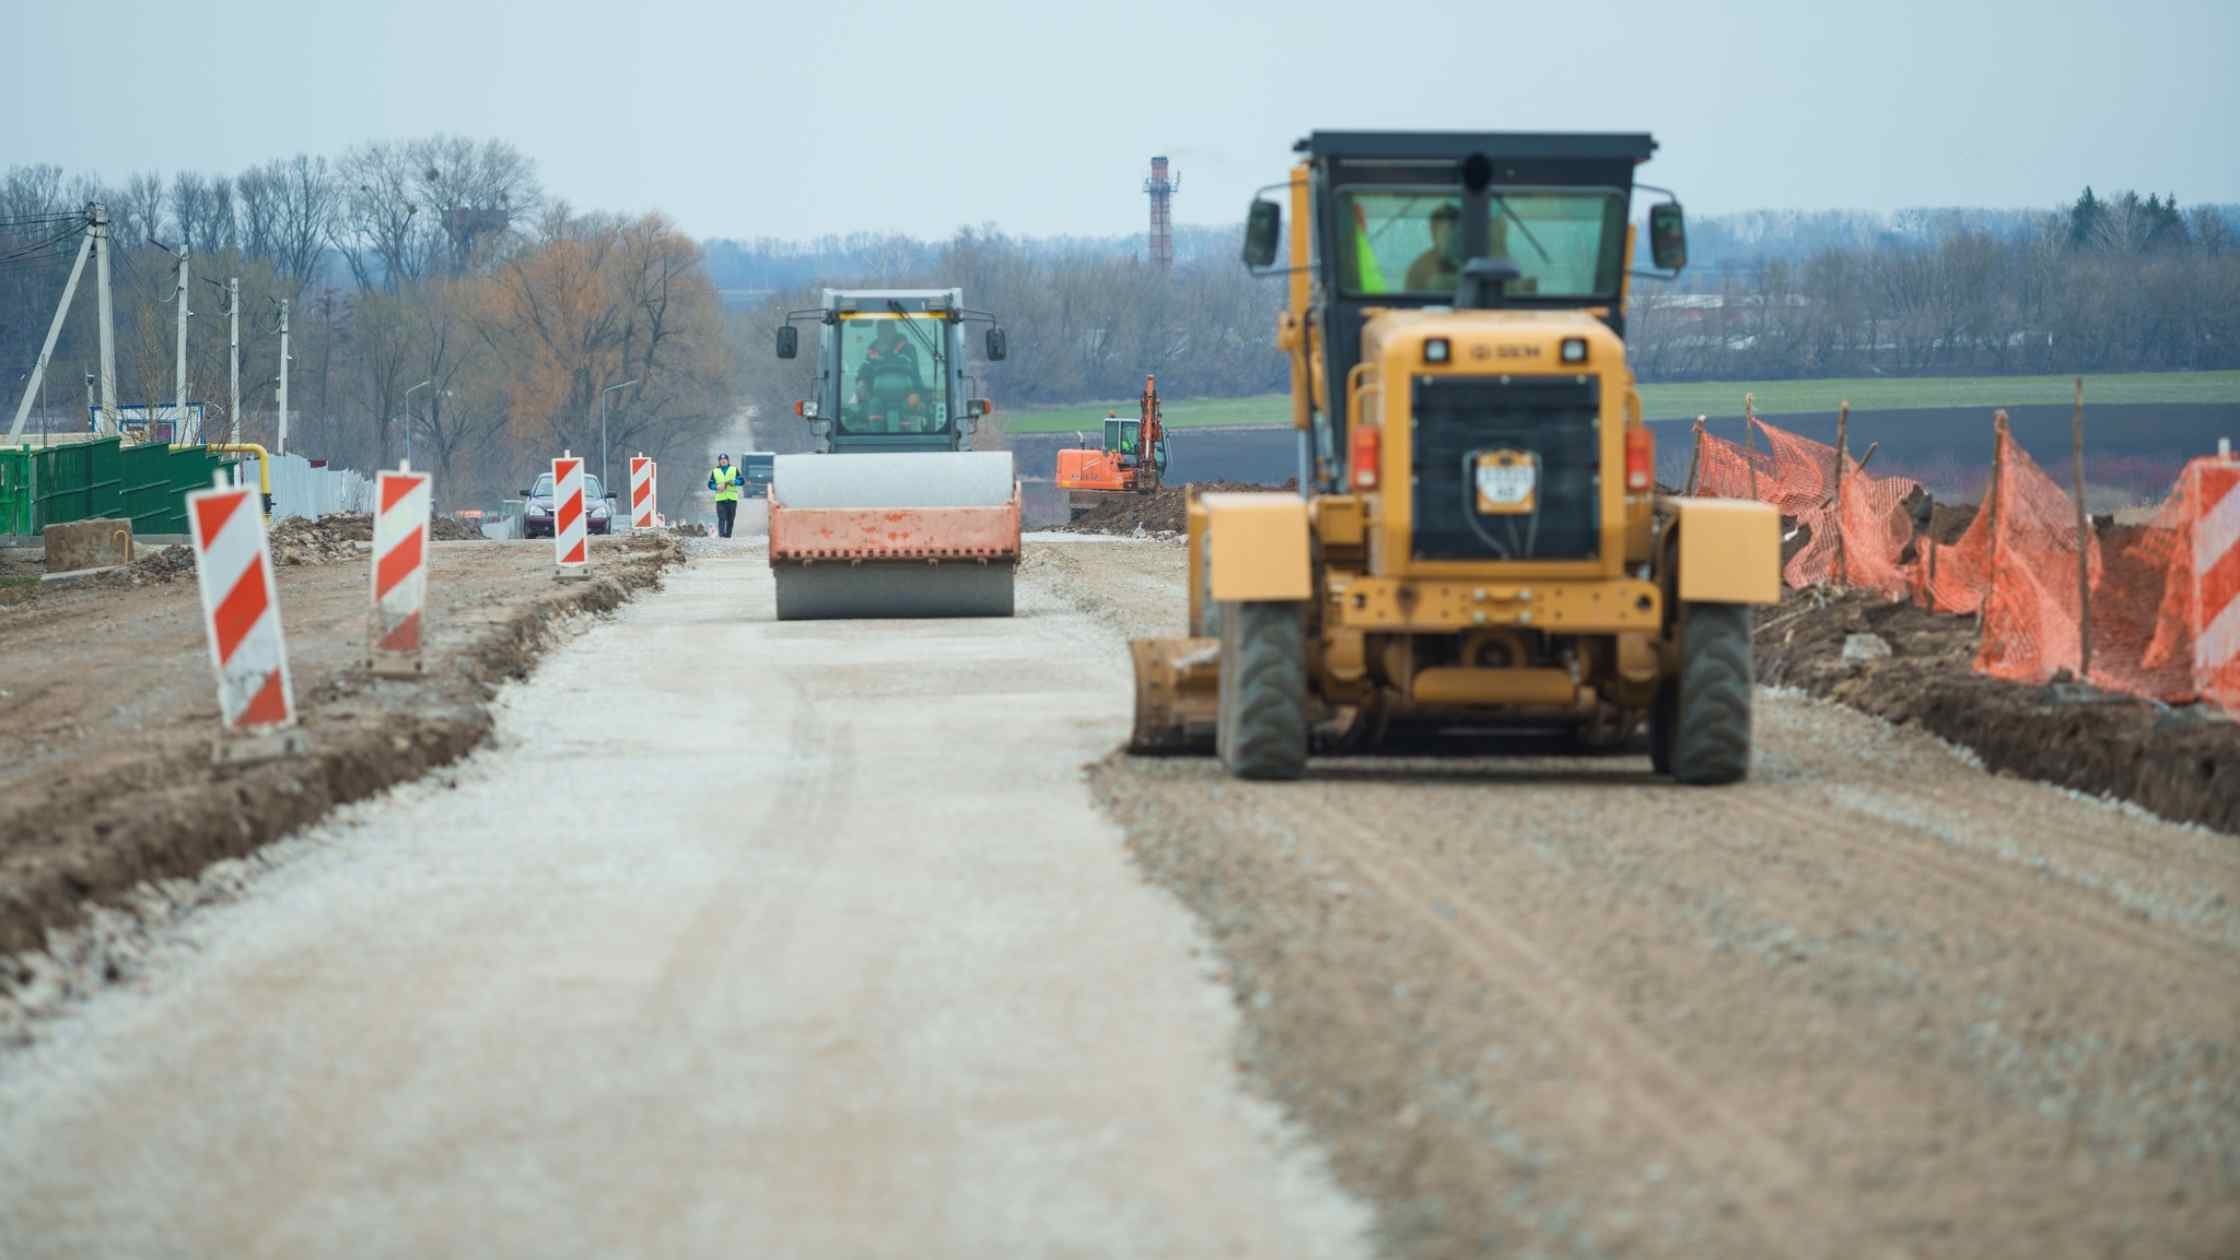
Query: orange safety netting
[2016,564]
[1865,537]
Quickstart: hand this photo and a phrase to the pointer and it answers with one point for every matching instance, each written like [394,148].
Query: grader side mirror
[997,346]
[789,341]
[1668,237]
[1263,232]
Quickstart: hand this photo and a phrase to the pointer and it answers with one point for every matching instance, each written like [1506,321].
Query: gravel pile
[324,541]
[162,564]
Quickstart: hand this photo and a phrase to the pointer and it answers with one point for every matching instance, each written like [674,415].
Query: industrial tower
[1162,191]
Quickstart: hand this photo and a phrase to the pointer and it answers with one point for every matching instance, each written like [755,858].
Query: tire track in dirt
[1767,1179]
[1922,858]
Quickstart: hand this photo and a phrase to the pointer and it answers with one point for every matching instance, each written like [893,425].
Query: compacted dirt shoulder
[2182,763]
[1875,1001]
[108,710]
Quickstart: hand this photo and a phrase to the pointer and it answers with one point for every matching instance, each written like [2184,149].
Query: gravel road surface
[746,939]
[807,940]
[1873,1002]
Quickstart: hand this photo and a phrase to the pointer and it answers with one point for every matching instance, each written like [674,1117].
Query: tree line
[1084,319]
[2126,282]
[439,301]
[2122,283]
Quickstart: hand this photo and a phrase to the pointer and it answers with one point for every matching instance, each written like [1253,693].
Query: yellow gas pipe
[264,467]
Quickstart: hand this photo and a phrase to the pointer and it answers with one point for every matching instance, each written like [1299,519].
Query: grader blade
[1177,688]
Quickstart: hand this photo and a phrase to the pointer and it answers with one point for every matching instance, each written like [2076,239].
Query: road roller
[893,515]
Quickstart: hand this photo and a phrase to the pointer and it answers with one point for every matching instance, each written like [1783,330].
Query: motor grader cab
[894,515]
[1132,458]
[1478,538]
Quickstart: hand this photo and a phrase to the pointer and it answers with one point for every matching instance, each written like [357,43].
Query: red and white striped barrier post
[641,492]
[403,501]
[2216,580]
[571,544]
[241,618]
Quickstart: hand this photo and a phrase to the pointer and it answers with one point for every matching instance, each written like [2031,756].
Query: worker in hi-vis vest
[724,480]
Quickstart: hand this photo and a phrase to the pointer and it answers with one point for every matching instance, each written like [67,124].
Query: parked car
[536,513]
[756,468]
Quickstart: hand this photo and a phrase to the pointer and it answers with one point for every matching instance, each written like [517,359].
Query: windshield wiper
[924,342]
[1521,224]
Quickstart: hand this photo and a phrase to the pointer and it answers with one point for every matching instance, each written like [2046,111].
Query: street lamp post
[603,482]
[408,418]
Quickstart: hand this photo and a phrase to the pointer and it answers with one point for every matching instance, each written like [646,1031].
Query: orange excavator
[1133,458]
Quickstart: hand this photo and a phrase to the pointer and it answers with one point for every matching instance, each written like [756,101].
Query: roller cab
[1479,540]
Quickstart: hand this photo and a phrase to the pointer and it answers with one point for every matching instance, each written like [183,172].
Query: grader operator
[1478,537]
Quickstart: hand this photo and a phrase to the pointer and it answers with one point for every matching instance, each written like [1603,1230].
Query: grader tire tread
[1710,730]
[1262,724]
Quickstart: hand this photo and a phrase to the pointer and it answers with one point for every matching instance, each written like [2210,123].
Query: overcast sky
[745,119]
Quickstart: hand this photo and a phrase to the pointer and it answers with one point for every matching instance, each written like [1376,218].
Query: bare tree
[139,208]
[28,192]
[310,203]
[477,194]
[258,193]
[202,209]
[381,225]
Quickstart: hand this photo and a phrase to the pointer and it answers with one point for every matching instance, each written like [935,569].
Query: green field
[1181,413]
[1724,398]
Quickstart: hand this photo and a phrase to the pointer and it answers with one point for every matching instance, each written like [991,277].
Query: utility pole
[603,482]
[233,356]
[179,354]
[37,383]
[408,419]
[282,443]
[100,234]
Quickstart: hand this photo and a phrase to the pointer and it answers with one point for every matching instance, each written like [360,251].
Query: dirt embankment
[111,713]
[1165,510]
[2181,763]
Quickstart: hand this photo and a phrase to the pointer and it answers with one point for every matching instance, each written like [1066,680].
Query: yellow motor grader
[1478,539]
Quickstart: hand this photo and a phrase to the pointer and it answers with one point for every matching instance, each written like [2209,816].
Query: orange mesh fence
[2031,611]
[2016,563]
[1797,476]
[1723,470]
[2142,639]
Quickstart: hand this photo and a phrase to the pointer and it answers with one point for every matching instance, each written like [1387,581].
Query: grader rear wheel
[1700,729]
[1260,728]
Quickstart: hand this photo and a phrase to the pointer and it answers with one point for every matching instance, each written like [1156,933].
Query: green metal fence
[15,490]
[50,485]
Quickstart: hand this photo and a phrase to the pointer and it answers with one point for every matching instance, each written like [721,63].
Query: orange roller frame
[806,535]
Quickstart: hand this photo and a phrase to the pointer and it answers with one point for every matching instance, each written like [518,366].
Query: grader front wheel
[1260,728]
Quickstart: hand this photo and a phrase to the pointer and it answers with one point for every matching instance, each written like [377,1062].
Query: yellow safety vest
[727,483]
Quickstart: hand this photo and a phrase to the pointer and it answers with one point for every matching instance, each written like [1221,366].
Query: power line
[42,220]
[39,247]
